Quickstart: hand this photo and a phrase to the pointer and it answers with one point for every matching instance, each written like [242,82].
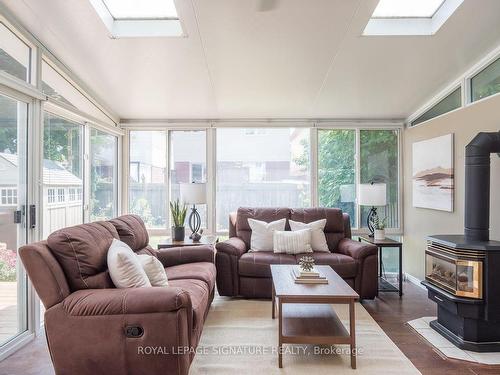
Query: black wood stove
[463,271]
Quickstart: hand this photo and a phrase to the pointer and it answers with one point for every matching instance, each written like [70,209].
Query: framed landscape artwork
[433,174]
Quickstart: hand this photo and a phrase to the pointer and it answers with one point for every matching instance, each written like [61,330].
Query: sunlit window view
[147,177]
[103,176]
[261,168]
[188,164]
[62,173]
[13,152]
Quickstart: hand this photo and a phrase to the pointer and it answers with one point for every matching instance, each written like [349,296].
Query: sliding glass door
[13,209]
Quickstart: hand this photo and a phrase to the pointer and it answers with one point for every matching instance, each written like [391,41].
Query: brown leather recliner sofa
[94,328]
[248,274]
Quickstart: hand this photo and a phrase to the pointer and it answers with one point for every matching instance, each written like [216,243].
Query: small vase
[379,234]
[178,233]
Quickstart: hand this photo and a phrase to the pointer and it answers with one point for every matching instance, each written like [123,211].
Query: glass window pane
[487,82]
[147,180]
[449,103]
[103,176]
[57,87]
[13,293]
[379,163]
[188,163]
[261,167]
[62,171]
[337,170]
[14,54]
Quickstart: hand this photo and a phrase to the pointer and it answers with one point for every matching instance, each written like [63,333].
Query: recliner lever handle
[134,331]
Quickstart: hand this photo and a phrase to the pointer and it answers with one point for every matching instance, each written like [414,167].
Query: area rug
[239,337]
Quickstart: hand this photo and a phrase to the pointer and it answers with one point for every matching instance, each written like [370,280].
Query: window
[103,175]
[72,194]
[410,17]
[61,197]
[15,55]
[51,195]
[144,9]
[147,181]
[261,168]
[62,168]
[407,8]
[487,82]
[8,197]
[145,18]
[59,88]
[337,170]
[379,162]
[449,103]
[188,163]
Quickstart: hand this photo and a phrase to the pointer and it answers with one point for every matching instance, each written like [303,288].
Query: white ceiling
[305,58]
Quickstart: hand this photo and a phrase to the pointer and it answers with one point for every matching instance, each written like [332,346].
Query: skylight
[407,8]
[141,9]
[410,17]
[139,18]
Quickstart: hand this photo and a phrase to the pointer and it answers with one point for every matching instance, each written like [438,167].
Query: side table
[384,285]
[204,240]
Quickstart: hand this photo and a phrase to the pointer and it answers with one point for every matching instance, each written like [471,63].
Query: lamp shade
[193,193]
[372,194]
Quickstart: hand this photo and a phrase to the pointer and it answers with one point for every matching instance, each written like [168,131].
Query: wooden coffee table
[305,313]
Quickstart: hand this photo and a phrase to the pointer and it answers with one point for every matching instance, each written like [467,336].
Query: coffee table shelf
[312,324]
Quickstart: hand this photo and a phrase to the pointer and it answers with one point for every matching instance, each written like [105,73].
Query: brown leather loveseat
[94,328]
[248,274]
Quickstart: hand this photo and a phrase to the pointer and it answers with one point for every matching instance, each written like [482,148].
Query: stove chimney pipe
[477,185]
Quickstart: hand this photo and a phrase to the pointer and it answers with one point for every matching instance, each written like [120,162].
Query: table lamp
[194,193]
[372,194]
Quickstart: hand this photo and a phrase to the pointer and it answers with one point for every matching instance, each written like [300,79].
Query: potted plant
[178,211]
[379,228]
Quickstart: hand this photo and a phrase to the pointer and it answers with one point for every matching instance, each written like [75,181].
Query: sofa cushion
[203,271]
[262,235]
[243,229]
[334,228]
[200,302]
[132,231]
[344,265]
[82,252]
[257,264]
[125,268]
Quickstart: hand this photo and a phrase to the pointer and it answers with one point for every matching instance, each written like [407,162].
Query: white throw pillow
[154,270]
[318,238]
[262,233]
[124,267]
[292,242]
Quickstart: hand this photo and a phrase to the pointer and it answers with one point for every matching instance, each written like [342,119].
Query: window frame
[211,146]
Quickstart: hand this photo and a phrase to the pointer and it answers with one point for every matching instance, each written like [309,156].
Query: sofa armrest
[94,302]
[355,249]
[187,254]
[233,246]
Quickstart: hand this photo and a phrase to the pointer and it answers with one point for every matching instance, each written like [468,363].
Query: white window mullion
[358,178]
[211,180]
[86,173]
[167,179]
[313,162]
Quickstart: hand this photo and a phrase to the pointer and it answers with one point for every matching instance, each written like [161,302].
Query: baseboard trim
[414,280]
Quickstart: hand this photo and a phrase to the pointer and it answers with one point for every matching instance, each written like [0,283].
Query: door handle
[32,216]
[18,217]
